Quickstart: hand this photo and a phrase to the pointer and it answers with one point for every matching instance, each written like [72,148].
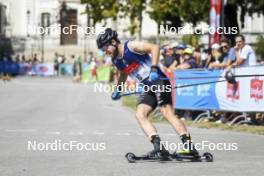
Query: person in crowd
[63,59]
[245,55]
[56,64]
[17,58]
[179,51]
[197,56]
[6,61]
[90,57]
[35,59]
[213,55]
[76,69]
[170,59]
[188,60]
[23,59]
[93,66]
[228,55]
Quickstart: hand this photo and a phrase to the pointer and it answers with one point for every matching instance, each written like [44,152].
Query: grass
[130,101]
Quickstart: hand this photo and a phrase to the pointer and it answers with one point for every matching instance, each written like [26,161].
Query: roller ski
[159,153]
[206,157]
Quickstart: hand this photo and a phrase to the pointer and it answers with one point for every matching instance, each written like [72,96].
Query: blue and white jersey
[137,66]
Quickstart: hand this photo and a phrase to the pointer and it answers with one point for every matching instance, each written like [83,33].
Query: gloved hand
[153,76]
[116,94]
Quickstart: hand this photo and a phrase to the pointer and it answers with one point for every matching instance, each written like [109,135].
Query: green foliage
[175,12]
[260,47]
[133,9]
[191,39]
[248,6]
[99,10]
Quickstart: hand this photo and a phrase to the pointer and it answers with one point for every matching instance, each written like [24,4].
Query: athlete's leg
[146,103]
[142,113]
[165,103]
[177,124]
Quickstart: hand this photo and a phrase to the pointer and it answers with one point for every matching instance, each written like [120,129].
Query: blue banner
[245,96]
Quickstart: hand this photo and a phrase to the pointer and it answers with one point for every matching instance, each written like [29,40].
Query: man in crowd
[245,55]
[171,60]
[228,55]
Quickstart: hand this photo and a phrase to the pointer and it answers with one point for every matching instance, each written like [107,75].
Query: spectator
[213,55]
[197,56]
[35,59]
[17,58]
[23,60]
[179,52]
[228,55]
[76,69]
[56,64]
[171,60]
[93,66]
[245,55]
[188,60]
[90,57]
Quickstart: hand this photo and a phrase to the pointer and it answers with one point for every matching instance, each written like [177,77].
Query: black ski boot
[159,151]
[188,146]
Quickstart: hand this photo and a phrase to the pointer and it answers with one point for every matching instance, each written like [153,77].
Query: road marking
[140,134]
[76,133]
[123,134]
[98,133]
[20,130]
[53,132]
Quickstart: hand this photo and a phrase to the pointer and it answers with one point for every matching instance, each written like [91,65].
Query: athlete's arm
[122,78]
[143,47]
[183,66]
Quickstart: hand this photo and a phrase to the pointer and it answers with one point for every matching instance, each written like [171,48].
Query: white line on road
[53,132]
[123,134]
[20,130]
[98,133]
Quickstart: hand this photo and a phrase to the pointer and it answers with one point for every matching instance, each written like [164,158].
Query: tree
[175,12]
[99,10]
[246,6]
[134,10]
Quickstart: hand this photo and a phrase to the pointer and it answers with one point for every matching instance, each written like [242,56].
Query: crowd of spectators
[219,56]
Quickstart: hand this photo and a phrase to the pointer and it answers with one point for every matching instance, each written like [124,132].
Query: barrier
[65,69]
[9,67]
[26,69]
[103,74]
[245,96]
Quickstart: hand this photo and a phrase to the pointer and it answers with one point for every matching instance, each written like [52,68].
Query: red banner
[214,21]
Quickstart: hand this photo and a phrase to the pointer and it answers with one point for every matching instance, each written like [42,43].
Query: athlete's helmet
[106,37]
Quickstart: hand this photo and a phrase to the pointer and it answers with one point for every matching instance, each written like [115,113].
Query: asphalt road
[45,110]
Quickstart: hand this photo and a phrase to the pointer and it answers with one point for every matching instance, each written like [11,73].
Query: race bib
[141,73]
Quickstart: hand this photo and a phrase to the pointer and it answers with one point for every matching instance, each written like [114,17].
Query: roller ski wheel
[131,157]
[207,157]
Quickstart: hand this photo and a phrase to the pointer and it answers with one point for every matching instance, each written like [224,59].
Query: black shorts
[160,96]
